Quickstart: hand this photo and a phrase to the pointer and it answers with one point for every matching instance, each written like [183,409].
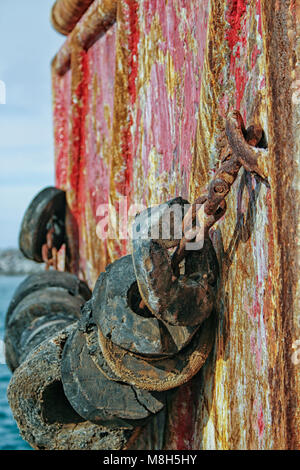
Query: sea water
[10,438]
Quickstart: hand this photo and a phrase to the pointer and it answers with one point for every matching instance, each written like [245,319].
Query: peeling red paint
[258,11]
[183,426]
[128,159]
[255,53]
[84,149]
[75,149]
[256,308]
[260,421]
[82,196]
[235,12]
[125,187]
[98,119]
[62,101]
[169,113]
[236,41]
[133,47]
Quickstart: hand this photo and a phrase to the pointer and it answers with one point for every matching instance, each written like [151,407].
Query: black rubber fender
[48,203]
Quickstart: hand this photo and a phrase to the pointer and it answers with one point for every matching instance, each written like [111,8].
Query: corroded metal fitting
[241,152]
[243,149]
[66,13]
[196,224]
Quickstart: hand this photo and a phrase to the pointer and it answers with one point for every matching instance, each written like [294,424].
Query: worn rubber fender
[47,207]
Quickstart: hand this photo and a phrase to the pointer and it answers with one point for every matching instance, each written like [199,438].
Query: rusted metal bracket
[66,13]
[96,21]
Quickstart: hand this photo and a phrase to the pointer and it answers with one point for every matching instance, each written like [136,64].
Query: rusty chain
[49,250]
[236,154]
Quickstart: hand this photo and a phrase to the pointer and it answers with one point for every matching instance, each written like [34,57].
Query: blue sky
[27,45]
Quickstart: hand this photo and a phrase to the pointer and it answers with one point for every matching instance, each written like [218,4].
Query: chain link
[198,221]
[49,251]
